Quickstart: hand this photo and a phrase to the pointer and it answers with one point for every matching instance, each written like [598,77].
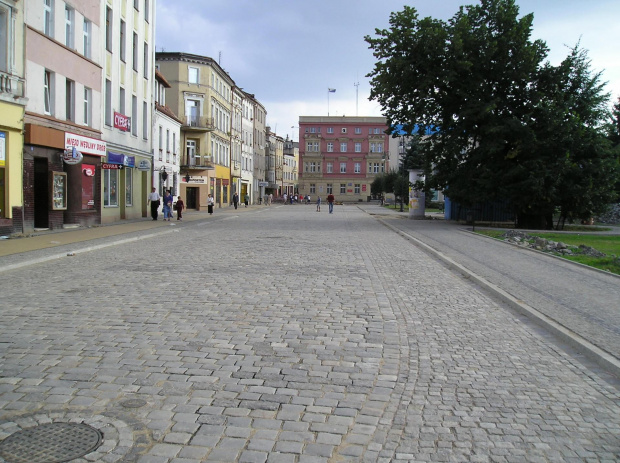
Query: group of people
[330,203]
[155,200]
[246,200]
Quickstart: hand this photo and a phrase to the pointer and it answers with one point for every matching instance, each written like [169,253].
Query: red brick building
[341,155]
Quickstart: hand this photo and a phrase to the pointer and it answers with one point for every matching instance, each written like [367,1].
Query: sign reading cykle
[85,145]
[122,122]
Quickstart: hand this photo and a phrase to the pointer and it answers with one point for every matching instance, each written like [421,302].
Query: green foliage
[510,126]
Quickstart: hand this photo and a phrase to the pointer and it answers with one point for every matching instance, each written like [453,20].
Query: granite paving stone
[275,335]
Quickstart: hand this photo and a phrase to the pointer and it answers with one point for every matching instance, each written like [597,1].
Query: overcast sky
[289,52]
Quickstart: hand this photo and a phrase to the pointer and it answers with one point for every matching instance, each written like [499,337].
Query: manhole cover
[50,443]
[133,403]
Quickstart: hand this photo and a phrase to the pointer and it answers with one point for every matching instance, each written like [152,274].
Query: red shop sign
[122,122]
[107,166]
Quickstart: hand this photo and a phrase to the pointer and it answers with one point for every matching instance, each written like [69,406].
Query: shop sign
[263,183]
[2,148]
[127,161]
[122,122]
[195,179]
[144,164]
[225,181]
[85,145]
[108,166]
[72,156]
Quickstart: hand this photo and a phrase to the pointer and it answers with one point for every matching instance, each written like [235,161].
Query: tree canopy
[509,125]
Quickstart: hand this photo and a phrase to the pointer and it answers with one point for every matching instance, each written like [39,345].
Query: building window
[358,147]
[121,101]
[87,31]
[330,130]
[313,167]
[69,28]
[134,116]
[343,130]
[145,120]
[108,103]
[135,52]
[330,189]
[330,167]
[312,188]
[343,147]
[193,75]
[128,187]
[343,188]
[123,41]
[146,60]
[330,147]
[358,168]
[70,100]
[88,111]
[108,29]
[147,10]
[110,187]
[357,189]
[48,93]
[343,167]
[48,17]
[313,130]
[160,146]
[376,147]
[377,131]
[136,4]
[358,130]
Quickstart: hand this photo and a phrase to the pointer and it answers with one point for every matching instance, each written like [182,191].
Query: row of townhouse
[228,146]
[85,128]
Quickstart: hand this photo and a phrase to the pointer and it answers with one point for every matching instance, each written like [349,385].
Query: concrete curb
[599,356]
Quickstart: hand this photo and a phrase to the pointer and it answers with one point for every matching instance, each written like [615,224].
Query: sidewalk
[52,238]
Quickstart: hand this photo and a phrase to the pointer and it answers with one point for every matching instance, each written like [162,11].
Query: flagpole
[329,90]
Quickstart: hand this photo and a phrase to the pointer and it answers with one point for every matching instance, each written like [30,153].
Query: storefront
[123,187]
[61,175]
[194,191]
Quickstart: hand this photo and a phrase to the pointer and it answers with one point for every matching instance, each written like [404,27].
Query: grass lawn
[607,244]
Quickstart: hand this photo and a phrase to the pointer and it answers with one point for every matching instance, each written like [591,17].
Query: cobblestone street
[285,335]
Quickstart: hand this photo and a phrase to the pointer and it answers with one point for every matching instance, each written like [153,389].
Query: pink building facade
[341,156]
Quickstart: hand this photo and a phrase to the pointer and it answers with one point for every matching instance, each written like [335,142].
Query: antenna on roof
[357,85]
[219,59]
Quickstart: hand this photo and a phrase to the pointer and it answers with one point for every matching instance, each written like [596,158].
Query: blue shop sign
[127,161]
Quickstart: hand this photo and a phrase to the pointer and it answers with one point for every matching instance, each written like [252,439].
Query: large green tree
[481,86]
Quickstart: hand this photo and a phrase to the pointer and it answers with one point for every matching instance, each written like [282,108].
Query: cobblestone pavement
[286,335]
[584,300]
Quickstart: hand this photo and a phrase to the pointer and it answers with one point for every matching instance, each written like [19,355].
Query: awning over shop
[127,161]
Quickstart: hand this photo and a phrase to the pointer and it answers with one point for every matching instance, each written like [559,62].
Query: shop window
[128,187]
[110,187]
[88,187]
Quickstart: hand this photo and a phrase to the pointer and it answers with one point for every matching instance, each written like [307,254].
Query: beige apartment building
[201,94]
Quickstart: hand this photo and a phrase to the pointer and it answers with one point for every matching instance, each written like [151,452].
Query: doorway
[191,200]
[41,193]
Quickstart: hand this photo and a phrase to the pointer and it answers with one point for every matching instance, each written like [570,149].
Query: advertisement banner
[85,145]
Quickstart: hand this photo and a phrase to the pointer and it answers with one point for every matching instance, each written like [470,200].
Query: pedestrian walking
[308,199]
[235,200]
[168,205]
[318,204]
[284,196]
[330,202]
[270,198]
[154,202]
[210,203]
[179,206]
[246,199]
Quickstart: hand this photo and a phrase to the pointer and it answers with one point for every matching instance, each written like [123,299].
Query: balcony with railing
[11,87]
[198,124]
[197,162]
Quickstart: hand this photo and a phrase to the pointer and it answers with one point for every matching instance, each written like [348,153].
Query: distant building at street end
[341,155]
